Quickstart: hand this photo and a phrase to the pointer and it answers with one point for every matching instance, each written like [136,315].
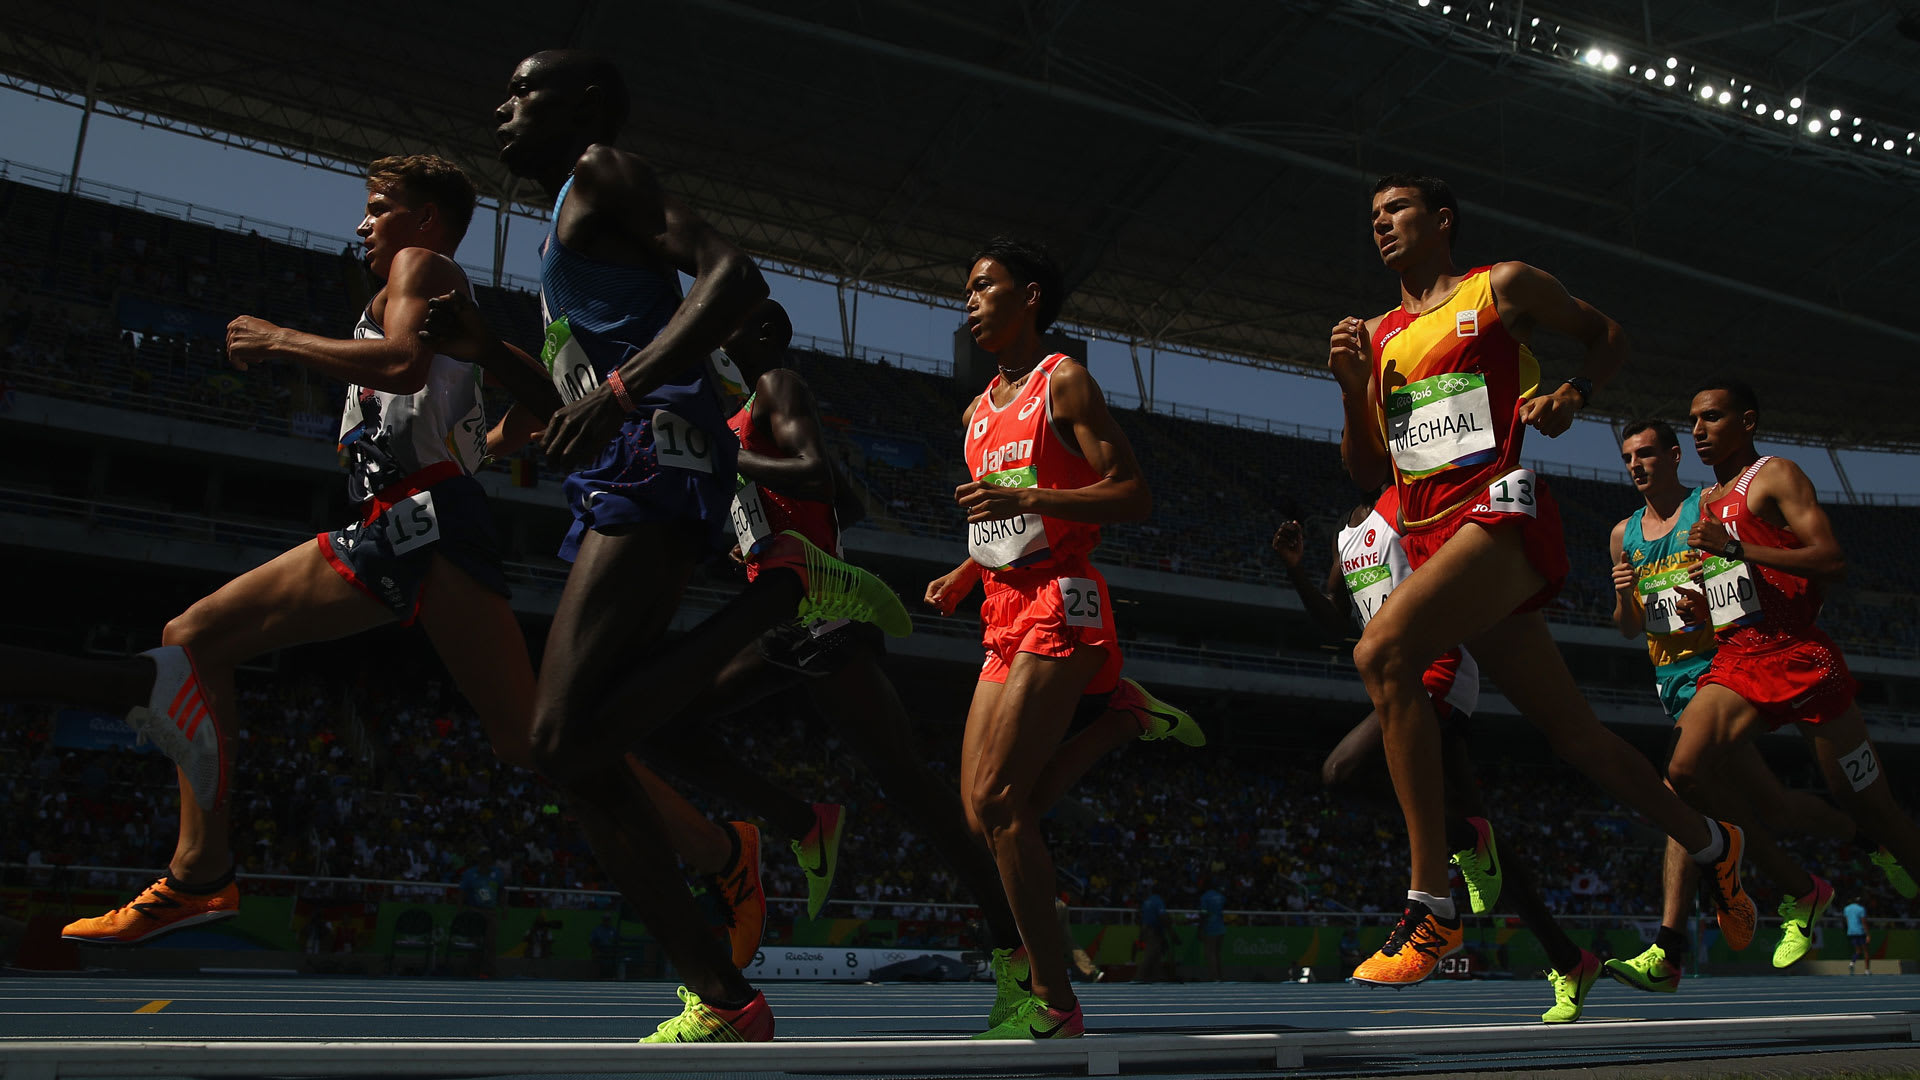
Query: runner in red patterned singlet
[1438,394]
[1050,466]
[1768,553]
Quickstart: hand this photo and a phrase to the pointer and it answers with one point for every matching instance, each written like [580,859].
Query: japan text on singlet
[1661,568]
[1755,606]
[1015,445]
[759,513]
[1451,380]
[597,313]
[1373,564]
[389,437]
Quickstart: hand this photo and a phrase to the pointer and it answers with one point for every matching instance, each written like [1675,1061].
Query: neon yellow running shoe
[1480,867]
[818,853]
[1012,984]
[1797,917]
[1897,875]
[1035,1019]
[837,589]
[1158,720]
[1570,991]
[700,1022]
[1650,971]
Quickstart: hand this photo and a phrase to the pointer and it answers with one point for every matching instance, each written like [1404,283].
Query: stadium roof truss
[1726,178]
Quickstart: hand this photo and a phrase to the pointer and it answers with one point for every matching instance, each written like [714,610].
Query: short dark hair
[1742,394]
[587,68]
[1663,432]
[1028,262]
[426,178]
[1436,193]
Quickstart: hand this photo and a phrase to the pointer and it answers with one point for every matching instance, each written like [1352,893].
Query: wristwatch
[1582,386]
[1734,550]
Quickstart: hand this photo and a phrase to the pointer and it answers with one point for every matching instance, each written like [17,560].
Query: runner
[422,550]
[1651,561]
[1767,552]
[1368,564]
[1049,466]
[1437,395]
[1856,915]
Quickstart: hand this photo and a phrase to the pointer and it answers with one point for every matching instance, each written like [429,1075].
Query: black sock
[734,1003]
[1461,835]
[1864,840]
[1672,942]
[205,888]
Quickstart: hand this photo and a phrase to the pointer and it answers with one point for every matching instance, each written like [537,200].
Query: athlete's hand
[250,341]
[1692,606]
[454,327]
[1350,355]
[578,432]
[1708,535]
[944,593]
[1551,414]
[991,502]
[1290,540]
[1625,578]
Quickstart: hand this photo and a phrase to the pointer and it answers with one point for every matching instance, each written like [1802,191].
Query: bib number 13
[1080,601]
[1515,493]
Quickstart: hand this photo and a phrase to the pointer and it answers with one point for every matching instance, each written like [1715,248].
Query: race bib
[411,523]
[1731,594]
[1080,601]
[1440,423]
[1369,586]
[1861,766]
[750,524]
[1660,601]
[680,445]
[1515,493]
[567,362]
[1004,545]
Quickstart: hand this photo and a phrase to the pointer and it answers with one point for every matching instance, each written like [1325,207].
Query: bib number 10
[680,445]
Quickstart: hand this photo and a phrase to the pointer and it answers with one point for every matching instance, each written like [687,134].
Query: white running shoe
[177,719]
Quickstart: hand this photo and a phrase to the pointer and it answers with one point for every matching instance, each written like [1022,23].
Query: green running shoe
[1570,991]
[1012,984]
[1650,971]
[1035,1019]
[1158,720]
[700,1022]
[818,853]
[1480,868]
[1897,875]
[840,590]
[1797,918]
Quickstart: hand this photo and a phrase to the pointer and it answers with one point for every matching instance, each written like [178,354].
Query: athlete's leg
[479,641]
[1476,579]
[616,607]
[293,599]
[863,702]
[1858,778]
[1520,656]
[1779,807]
[701,842]
[1352,752]
[113,685]
[704,760]
[1716,721]
[1111,731]
[1011,732]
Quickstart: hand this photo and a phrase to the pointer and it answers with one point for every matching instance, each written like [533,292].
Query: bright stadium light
[1793,118]
[1856,121]
[1813,125]
[1726,96]
[1778,113]
[1668,80]
[1650,74]
[1593,56]
[1610,61]
[1834,115]
[1794,104]
[1706,92]
[1672,62]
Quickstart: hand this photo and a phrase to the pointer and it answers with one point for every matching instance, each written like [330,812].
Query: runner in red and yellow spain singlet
[1437,395]
[1768,553]
[1050,466]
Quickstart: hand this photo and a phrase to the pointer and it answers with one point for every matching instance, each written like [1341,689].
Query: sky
[256,185]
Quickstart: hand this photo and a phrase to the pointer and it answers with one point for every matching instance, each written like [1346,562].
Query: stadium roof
[1204,174]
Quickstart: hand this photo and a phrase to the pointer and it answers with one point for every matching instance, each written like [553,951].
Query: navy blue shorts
[687,473]
[387,557]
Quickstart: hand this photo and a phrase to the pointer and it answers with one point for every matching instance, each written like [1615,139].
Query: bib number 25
[1080,601]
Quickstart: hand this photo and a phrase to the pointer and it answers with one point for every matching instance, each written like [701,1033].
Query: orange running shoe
[160,909]
[742,899]
[1413,950]
[1733,908]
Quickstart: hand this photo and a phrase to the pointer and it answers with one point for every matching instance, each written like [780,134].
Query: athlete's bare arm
[1081,419]
[1529,298]
[616,202]
[786,406]
[945,592]
[454,326]
[396,364]
[516,429]
[1627,616]
[1324,604]
[1783,495]
[1363,445]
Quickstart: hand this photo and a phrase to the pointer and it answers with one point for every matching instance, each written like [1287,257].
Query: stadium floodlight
[1777,113]
[1856,136]
[1726,96]
[1889,144]
[1835,115]
[1793,118]
[1706,91]
[1593,57]
[1668,80]
[1610,61]
[1794,104]
[1672,62]
[1856,121]
[1813,125]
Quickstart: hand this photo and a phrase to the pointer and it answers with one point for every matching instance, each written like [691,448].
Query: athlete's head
[1651,451]
[414,201]
[559,102]
[760,345]
[1413,218]
[1725,415]
[1011,285]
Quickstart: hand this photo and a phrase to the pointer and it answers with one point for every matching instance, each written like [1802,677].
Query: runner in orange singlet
[1049,466]
[1438,394]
